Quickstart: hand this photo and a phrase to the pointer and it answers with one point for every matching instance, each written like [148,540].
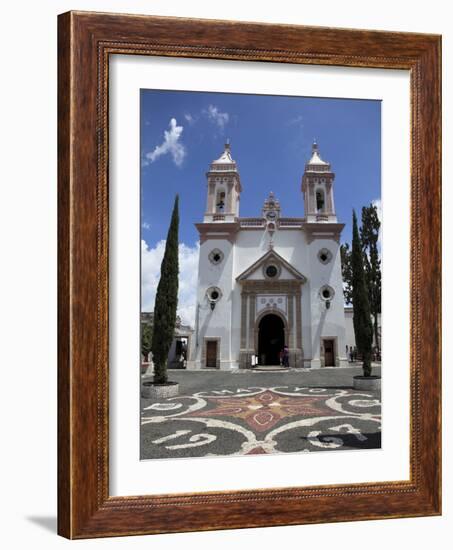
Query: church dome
[316,163]
[225,161]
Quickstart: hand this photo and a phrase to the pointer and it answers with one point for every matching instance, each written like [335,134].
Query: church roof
[225,157]
[271,255]
[316,164]
[225,163]
[316,159]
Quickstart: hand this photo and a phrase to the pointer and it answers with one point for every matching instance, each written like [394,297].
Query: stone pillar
[252,309]
[298,321]
[332,200]
[244,320]
[311,198]
[290,299]
[229,208]
[329,205]
[211,192]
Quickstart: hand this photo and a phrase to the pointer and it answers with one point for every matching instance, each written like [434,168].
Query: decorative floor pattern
[260,421]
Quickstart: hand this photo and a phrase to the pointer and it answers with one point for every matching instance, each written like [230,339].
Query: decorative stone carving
[213,294]
[271,301]
[326,293]
[272,270]
[325,255]
[216,256]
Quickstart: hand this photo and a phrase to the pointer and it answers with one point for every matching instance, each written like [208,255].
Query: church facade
[270,281]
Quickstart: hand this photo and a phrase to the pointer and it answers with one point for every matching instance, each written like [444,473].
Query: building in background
[179,352]
[350,336]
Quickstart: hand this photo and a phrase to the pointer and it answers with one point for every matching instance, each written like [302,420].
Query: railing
[252,222]
[291,222]
[218,217]
[322,218]
[223,168]
[317,168]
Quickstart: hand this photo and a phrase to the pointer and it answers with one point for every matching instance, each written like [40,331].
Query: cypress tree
[166,301]
[363,327]
[369,235]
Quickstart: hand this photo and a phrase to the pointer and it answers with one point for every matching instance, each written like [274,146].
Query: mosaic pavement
[258,420]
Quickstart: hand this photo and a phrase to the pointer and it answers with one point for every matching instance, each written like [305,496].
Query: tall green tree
[369,236]
[166,301]
[346,272]
[363,327]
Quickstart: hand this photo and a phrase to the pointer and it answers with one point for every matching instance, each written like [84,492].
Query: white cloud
[296,120]
[171,145]
[217,117]
[146,225]
[378,204]
[188,274]
[190,118]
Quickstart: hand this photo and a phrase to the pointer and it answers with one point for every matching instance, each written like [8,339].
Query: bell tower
[317,187]
[224,189]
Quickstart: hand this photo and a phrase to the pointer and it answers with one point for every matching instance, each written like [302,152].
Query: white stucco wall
[326,323]
[250,245]
[215,323]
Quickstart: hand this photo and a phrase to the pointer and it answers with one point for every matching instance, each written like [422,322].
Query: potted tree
[363,327]
[165,315]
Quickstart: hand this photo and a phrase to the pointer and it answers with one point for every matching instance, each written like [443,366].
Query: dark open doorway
[329,353]
[271,339]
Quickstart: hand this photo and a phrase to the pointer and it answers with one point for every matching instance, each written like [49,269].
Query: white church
[269,281]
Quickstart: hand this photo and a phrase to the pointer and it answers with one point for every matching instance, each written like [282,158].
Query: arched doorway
[271,339]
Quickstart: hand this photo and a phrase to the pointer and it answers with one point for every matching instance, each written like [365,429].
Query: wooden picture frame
[85,41]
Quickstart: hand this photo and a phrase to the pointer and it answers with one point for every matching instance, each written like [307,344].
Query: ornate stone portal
[279,296]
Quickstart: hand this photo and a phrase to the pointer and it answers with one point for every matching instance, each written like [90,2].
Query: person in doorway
[285,357]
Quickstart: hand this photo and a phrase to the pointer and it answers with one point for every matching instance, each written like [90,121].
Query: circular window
[214,294]
[326,292]
[271,271]
[324,256]
[271,215]
[216,256]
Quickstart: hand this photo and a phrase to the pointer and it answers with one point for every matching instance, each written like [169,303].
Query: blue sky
[271,138]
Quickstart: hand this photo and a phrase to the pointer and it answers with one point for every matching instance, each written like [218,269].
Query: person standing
[286,356]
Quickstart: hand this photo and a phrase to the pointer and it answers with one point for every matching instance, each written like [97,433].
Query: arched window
[320,203]
[220,201]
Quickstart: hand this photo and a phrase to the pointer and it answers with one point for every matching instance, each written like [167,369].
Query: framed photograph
[249,275]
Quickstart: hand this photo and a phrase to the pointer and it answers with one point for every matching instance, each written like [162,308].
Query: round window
[215,256]
[213,294]
[324,256]
[271,271]
[326,293]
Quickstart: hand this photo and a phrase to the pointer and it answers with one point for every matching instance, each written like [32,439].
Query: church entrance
[271,339]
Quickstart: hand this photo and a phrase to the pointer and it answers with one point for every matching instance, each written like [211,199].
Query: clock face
[271,215]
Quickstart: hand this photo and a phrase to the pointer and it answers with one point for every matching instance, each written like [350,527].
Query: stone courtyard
[265,411]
